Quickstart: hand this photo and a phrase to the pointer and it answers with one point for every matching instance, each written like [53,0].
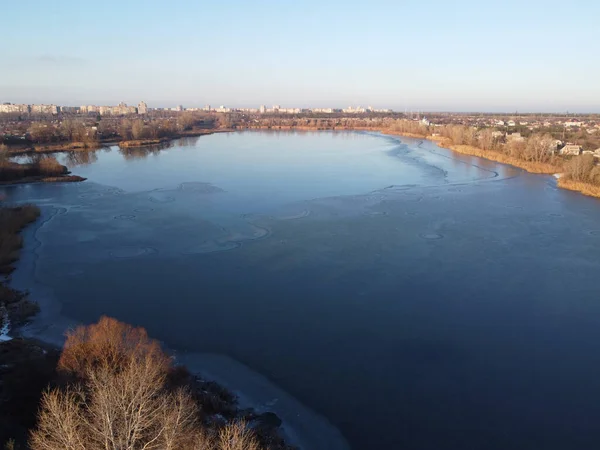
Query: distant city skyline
[142,108]
[466,55]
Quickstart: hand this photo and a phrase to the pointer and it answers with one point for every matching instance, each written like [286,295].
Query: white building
[142,108]
[10,108]
[351,110]
[44,109]
[573,123]
[86,109]
[570,149]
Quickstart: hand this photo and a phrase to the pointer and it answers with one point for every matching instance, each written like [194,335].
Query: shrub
[50,167]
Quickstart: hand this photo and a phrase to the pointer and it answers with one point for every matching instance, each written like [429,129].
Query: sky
[436,55]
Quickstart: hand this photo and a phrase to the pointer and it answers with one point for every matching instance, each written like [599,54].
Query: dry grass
[45,167]
[50,167]
[140,142]
[579,186]
[13,220]
[14,302]
[529,166]
[406,134]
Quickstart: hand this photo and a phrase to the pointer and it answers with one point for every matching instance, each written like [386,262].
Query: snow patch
[5,328]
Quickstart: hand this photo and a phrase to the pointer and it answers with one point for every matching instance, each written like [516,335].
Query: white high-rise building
[142,108]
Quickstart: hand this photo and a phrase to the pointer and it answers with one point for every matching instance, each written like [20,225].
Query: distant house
[511,123]
[573,123]
[597,153]
[570,149]
[515,137]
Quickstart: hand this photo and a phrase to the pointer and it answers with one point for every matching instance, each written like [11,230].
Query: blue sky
[429,55]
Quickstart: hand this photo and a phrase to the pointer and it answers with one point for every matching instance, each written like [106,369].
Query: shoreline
[586,189]
[43,179]
[300,426]
[443,142]
[72,146]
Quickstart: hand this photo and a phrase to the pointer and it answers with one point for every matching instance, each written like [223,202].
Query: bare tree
[469,136]
[118,399]
[186,121]
[486,139]
[580,168]
[538,148]
[122,403]
[124,129]
[138,129]
[67,128]
[60,424]
[236,436]
[41,132]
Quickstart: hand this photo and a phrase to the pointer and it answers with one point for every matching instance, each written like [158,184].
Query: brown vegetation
[23,367]
[69,130]
[43,168]
[119,391]
[579,186]
[14,305]
[12,221]
[581,174]
[530,166]
[140,142]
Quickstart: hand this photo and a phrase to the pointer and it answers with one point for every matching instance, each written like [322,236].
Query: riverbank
[225,389]
[584,188]
[15,306]
[134,143]
[28,149]
[45,171]
[529,166]
[44,179]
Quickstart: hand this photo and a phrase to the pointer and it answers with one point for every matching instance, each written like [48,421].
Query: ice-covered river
[407,296]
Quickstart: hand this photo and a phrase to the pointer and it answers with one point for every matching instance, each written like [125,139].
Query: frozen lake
[413,297]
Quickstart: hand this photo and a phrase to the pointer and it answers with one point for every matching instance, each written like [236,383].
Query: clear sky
[525,55]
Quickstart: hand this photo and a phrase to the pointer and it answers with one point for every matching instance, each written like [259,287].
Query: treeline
[155,128]
[316,123]
[39,166]
[68,130]
[582,169]
[90,132]
[537,148]
[117,389]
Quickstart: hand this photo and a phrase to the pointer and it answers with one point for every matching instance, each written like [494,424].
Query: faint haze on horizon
[464,55]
